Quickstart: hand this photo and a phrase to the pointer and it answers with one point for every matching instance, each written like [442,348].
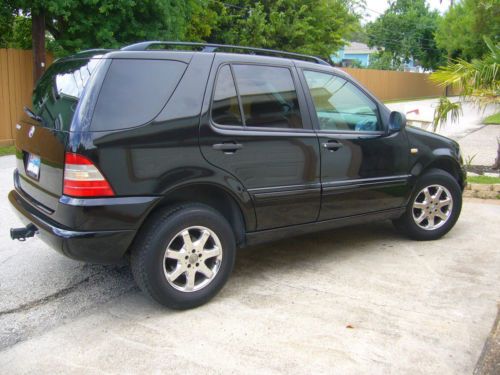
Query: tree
[112,23]
[6,23]
[85,24]
[478,80]
[406,31]
[383,60]
[462,28]
[309,26]
[358,34]
[20,33]
[316,27]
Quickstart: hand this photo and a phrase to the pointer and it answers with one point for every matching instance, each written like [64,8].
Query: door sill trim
[268,235]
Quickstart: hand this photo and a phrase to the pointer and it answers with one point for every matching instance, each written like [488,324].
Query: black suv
[176,158]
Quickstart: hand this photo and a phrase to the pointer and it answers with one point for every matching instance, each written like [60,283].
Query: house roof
[358,48]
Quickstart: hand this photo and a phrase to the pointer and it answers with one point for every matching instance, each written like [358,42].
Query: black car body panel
[280,169]
[436,150]
[267,181]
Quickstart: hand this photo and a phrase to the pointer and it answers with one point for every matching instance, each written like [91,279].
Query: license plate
[33,166]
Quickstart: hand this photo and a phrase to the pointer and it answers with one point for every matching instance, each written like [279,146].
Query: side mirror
[397,121]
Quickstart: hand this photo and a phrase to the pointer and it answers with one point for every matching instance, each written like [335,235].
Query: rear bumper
[94,246]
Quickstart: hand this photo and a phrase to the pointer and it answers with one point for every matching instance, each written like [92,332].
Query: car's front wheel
[434,207]
[184,256]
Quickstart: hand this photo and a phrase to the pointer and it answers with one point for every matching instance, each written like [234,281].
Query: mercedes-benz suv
[175,159]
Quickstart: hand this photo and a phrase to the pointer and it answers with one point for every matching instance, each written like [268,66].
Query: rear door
[42,132]
[363,167]
[258,132]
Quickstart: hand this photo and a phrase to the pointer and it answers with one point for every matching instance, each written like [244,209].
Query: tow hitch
[22,233]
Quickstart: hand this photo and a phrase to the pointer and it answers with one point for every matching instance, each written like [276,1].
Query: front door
[257,132]
[363,167]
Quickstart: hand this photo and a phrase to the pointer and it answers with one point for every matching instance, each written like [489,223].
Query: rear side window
[266,95]
[134,92]
[225,107]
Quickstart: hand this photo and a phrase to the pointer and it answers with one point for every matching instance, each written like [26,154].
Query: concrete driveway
[349,301]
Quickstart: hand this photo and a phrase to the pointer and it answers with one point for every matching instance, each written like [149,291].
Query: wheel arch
[443,162]
[213,196]
[450,165]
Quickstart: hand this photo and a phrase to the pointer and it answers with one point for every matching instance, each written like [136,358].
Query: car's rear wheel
[434,207]
[184,256]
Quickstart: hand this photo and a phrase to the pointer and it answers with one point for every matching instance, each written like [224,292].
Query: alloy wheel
[432,207]
[192,259]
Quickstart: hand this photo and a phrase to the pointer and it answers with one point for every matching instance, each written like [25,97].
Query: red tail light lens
[83,179]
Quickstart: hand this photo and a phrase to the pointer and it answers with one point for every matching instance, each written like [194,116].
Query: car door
[257,131]
[363,167]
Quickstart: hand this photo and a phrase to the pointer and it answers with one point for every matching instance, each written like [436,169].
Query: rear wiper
[32,115]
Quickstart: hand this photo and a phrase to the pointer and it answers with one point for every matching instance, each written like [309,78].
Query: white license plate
[33,166]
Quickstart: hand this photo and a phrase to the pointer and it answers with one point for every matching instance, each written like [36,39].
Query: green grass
[493,119]
[7,150]
[483,180]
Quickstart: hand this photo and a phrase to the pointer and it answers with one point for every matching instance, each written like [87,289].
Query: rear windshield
[134,92]
[57,93]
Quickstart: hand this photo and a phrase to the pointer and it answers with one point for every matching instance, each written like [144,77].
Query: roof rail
[210,47]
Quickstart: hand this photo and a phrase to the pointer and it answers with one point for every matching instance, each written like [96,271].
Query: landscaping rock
[481,187]
[483,191]
[486,194]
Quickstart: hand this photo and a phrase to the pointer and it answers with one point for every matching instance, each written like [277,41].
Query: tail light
[83,179]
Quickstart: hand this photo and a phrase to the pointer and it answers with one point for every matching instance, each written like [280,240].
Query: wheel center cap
[193,258]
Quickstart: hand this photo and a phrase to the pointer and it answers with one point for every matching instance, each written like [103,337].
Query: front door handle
[228,148]
[332,145]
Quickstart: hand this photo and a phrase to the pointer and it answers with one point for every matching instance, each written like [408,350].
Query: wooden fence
[16,87]
[391,85]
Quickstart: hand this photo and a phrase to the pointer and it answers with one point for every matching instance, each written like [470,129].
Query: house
[354,53]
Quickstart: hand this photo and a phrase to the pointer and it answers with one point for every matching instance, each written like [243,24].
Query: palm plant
[445,107]
[478,82]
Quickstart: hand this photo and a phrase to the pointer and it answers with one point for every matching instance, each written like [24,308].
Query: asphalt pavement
[348,301]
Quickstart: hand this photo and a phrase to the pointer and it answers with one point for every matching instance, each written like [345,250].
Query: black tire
[148,251]
[406,223]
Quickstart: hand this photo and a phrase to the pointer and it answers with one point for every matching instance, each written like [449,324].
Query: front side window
[341,106]
[266,95]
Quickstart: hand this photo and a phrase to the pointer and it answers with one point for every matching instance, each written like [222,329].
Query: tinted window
[268,96]
[59,90]
[225,107]
[340,105]
[134,92]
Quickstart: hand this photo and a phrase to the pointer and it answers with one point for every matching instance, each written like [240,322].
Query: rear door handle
[332,145]
[228,148]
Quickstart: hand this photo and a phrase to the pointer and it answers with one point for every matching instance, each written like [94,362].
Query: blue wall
[364,59]
[340,56]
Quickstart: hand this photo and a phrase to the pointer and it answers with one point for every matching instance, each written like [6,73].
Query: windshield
[57,93]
